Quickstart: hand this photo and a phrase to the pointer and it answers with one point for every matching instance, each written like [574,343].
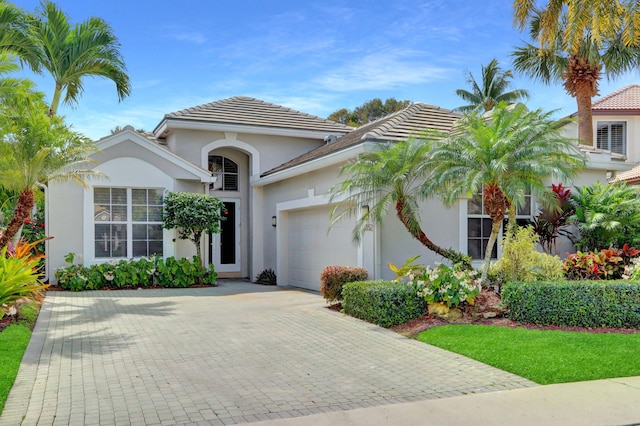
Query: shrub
[521,261]
[169,272]
[385,303]
[607,264]
[19,276]
[447,285]
[333,278]
[574,303]
[268,277]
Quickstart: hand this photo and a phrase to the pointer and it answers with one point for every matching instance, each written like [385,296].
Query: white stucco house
[273,167]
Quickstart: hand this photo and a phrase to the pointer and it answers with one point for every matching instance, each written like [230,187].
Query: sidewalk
[600,402]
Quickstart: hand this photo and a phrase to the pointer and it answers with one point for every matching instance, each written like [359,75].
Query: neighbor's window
[227,172]
[127,222]
[612,136]
[479,225]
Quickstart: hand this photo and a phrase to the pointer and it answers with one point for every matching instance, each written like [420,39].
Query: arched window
[226,171]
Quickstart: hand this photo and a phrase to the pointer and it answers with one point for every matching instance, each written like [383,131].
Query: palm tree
[602,19]
[36,149]
[70,53]
[491,90]
[385,178]
[505,156]
[580,68]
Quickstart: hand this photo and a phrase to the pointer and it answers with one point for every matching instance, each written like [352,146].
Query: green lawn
[13,342]
[544,357]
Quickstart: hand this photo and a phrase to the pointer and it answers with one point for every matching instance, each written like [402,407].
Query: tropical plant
[389,176]
[19,276]
[606,216]
[36,149]
[267,277]
[552,219]
[408,268]
[447,285]
[578,63]
[602,19]
[69,53]
[491,90]
[504,157]
[606,264]
[192,214]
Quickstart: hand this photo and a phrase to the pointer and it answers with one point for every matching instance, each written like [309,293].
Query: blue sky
[314,56]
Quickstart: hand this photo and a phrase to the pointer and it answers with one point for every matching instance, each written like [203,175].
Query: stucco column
[256,232]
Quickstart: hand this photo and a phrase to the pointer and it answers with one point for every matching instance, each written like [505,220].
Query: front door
[225,246]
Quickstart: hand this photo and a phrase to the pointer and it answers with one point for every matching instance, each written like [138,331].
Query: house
[272,167]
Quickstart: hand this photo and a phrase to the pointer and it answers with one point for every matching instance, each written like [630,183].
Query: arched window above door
[226,171]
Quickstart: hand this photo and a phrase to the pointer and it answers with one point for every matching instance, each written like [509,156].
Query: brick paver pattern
[236,353]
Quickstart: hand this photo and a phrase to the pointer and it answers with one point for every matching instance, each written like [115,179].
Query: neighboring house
[273,167]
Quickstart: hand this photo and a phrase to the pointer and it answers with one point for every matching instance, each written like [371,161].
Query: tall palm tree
[579,69]
[602,19]
[505,156]
[491,90]
[36,149]
[70,53]
[388,178]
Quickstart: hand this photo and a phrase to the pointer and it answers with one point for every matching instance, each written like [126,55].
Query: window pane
[617,138]
[118,213]
[118,196]
[525,209]
[102,213]
[602,135]
[139,196]
[155,214]
[155,247]
[118,240]
[486,227]
[230,182]
[155,197]
[474,205]
[140,249]
[154,232]
[101,196]
[474,248]
[230,166]
[139,232]
[473,227]
[139,213]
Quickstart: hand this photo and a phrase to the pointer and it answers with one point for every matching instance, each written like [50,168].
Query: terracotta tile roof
[394,127]
[248,111]
[622,99]
[630,176]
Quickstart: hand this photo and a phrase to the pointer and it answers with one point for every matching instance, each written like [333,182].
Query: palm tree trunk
[495,230]
[21,212]
[53,109]
[511,224]
[417,233]
[585,118]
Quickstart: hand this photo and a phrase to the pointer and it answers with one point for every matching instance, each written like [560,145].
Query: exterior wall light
[274,222]
[365,210]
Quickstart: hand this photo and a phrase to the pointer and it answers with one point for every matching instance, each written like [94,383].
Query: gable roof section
[624,101]
[246,111]
[147,142]
[398,126]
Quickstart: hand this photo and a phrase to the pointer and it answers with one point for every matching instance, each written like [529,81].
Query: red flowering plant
[33,230]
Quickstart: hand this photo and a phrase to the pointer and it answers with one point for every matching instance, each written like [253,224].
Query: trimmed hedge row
[334,277]
[385,303]
[574,303]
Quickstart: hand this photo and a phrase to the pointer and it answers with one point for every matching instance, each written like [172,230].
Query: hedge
[334,277]
[574,303]
[385,303]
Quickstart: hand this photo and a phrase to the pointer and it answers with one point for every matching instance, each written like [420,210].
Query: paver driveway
[231,354]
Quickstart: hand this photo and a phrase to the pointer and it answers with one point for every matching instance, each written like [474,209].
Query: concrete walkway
[233,354]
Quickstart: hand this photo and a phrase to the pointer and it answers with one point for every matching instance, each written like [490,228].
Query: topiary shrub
[574,303]
[385,303]
[333,278]
[267,277]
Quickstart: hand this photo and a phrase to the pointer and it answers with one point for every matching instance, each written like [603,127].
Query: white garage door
[311,248]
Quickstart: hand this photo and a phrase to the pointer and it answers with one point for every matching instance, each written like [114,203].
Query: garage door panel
[311,249]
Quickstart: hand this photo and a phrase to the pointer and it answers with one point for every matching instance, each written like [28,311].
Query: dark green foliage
[369,111]
[267,277]
[574,303]
[333,278]
[385,303]
[167,272]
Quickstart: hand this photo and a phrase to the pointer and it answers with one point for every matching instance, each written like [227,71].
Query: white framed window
[479,225]
[612,136]
[127,222]
[227,172]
